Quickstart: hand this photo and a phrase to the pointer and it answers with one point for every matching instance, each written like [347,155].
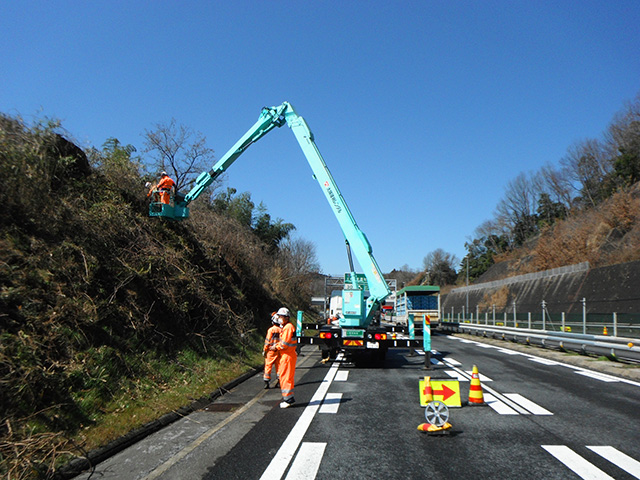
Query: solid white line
[544,361]
[281,460]
[576,463]
[598,376]
[624,461]
[498,406]
[307,462]
[331,403]
[508,352]
[528,404]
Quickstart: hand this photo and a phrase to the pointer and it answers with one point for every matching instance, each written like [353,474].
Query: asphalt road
[545,418]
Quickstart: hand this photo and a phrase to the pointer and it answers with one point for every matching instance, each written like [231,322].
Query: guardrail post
[544,320]
[529,319]
[564,329]
[494,315]
[515,320]
[584,315]
[486,318]
[615,324]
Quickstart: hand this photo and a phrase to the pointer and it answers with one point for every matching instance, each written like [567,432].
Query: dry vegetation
[106,314]
[605,235]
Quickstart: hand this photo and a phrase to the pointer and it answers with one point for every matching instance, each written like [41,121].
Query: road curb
[80,464]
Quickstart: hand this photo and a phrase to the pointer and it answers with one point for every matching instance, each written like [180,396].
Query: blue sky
[423,110]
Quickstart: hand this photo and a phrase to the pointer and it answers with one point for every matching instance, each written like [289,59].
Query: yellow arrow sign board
[447,391]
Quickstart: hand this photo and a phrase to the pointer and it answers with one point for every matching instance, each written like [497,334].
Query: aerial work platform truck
[359,328]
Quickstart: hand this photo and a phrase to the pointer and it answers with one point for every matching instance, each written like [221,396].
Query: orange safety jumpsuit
[271,357]
[164,187]
[288,356]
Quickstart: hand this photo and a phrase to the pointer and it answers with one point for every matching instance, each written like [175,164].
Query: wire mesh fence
[610,324]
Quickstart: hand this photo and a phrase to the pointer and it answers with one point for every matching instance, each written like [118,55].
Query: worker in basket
[164,187]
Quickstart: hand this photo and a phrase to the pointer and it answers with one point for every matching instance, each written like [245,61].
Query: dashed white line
[576,463]
[498,406]
[331,403]
[528,404]
[625,462]
[341,376]
[307,462]
[283,457]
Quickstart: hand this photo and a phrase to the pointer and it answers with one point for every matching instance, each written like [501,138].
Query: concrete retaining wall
[615,288]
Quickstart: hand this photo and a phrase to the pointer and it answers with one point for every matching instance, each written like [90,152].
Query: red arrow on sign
[445,393]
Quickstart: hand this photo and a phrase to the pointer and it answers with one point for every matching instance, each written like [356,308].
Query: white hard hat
[275,320]
[284,312]
[163,173]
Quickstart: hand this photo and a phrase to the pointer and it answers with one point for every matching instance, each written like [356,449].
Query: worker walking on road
[288,356]
[164,187]
[271,357]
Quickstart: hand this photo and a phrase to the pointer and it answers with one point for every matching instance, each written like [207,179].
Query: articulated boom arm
[271,118]
[356,238]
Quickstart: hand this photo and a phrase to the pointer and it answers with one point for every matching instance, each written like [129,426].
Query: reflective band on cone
[428,391]
[475,389]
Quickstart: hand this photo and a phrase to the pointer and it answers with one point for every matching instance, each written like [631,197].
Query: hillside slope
[602,236]
[98,301]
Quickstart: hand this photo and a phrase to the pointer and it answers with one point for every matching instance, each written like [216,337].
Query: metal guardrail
[621,348]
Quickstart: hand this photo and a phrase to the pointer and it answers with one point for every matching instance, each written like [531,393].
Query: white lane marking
[582,371]
[282,458]
[452,361]
[331,403]
[307,462]
[498,406]
[456,375]
[496,395]
[480,376]
[576,463]
[341,376]
[625,462]
[508,352]
[528,404]
[598,376]
[544,361]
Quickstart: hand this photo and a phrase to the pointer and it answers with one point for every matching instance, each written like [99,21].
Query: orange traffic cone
[428,391]
[604,332]
[475,389]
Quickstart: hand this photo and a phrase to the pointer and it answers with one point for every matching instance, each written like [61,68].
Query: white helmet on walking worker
[284,312]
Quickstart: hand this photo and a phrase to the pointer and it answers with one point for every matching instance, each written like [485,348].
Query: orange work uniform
[271,357]
[288,357]
[164,187]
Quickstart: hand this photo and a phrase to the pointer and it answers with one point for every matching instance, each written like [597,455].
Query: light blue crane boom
[358,310]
